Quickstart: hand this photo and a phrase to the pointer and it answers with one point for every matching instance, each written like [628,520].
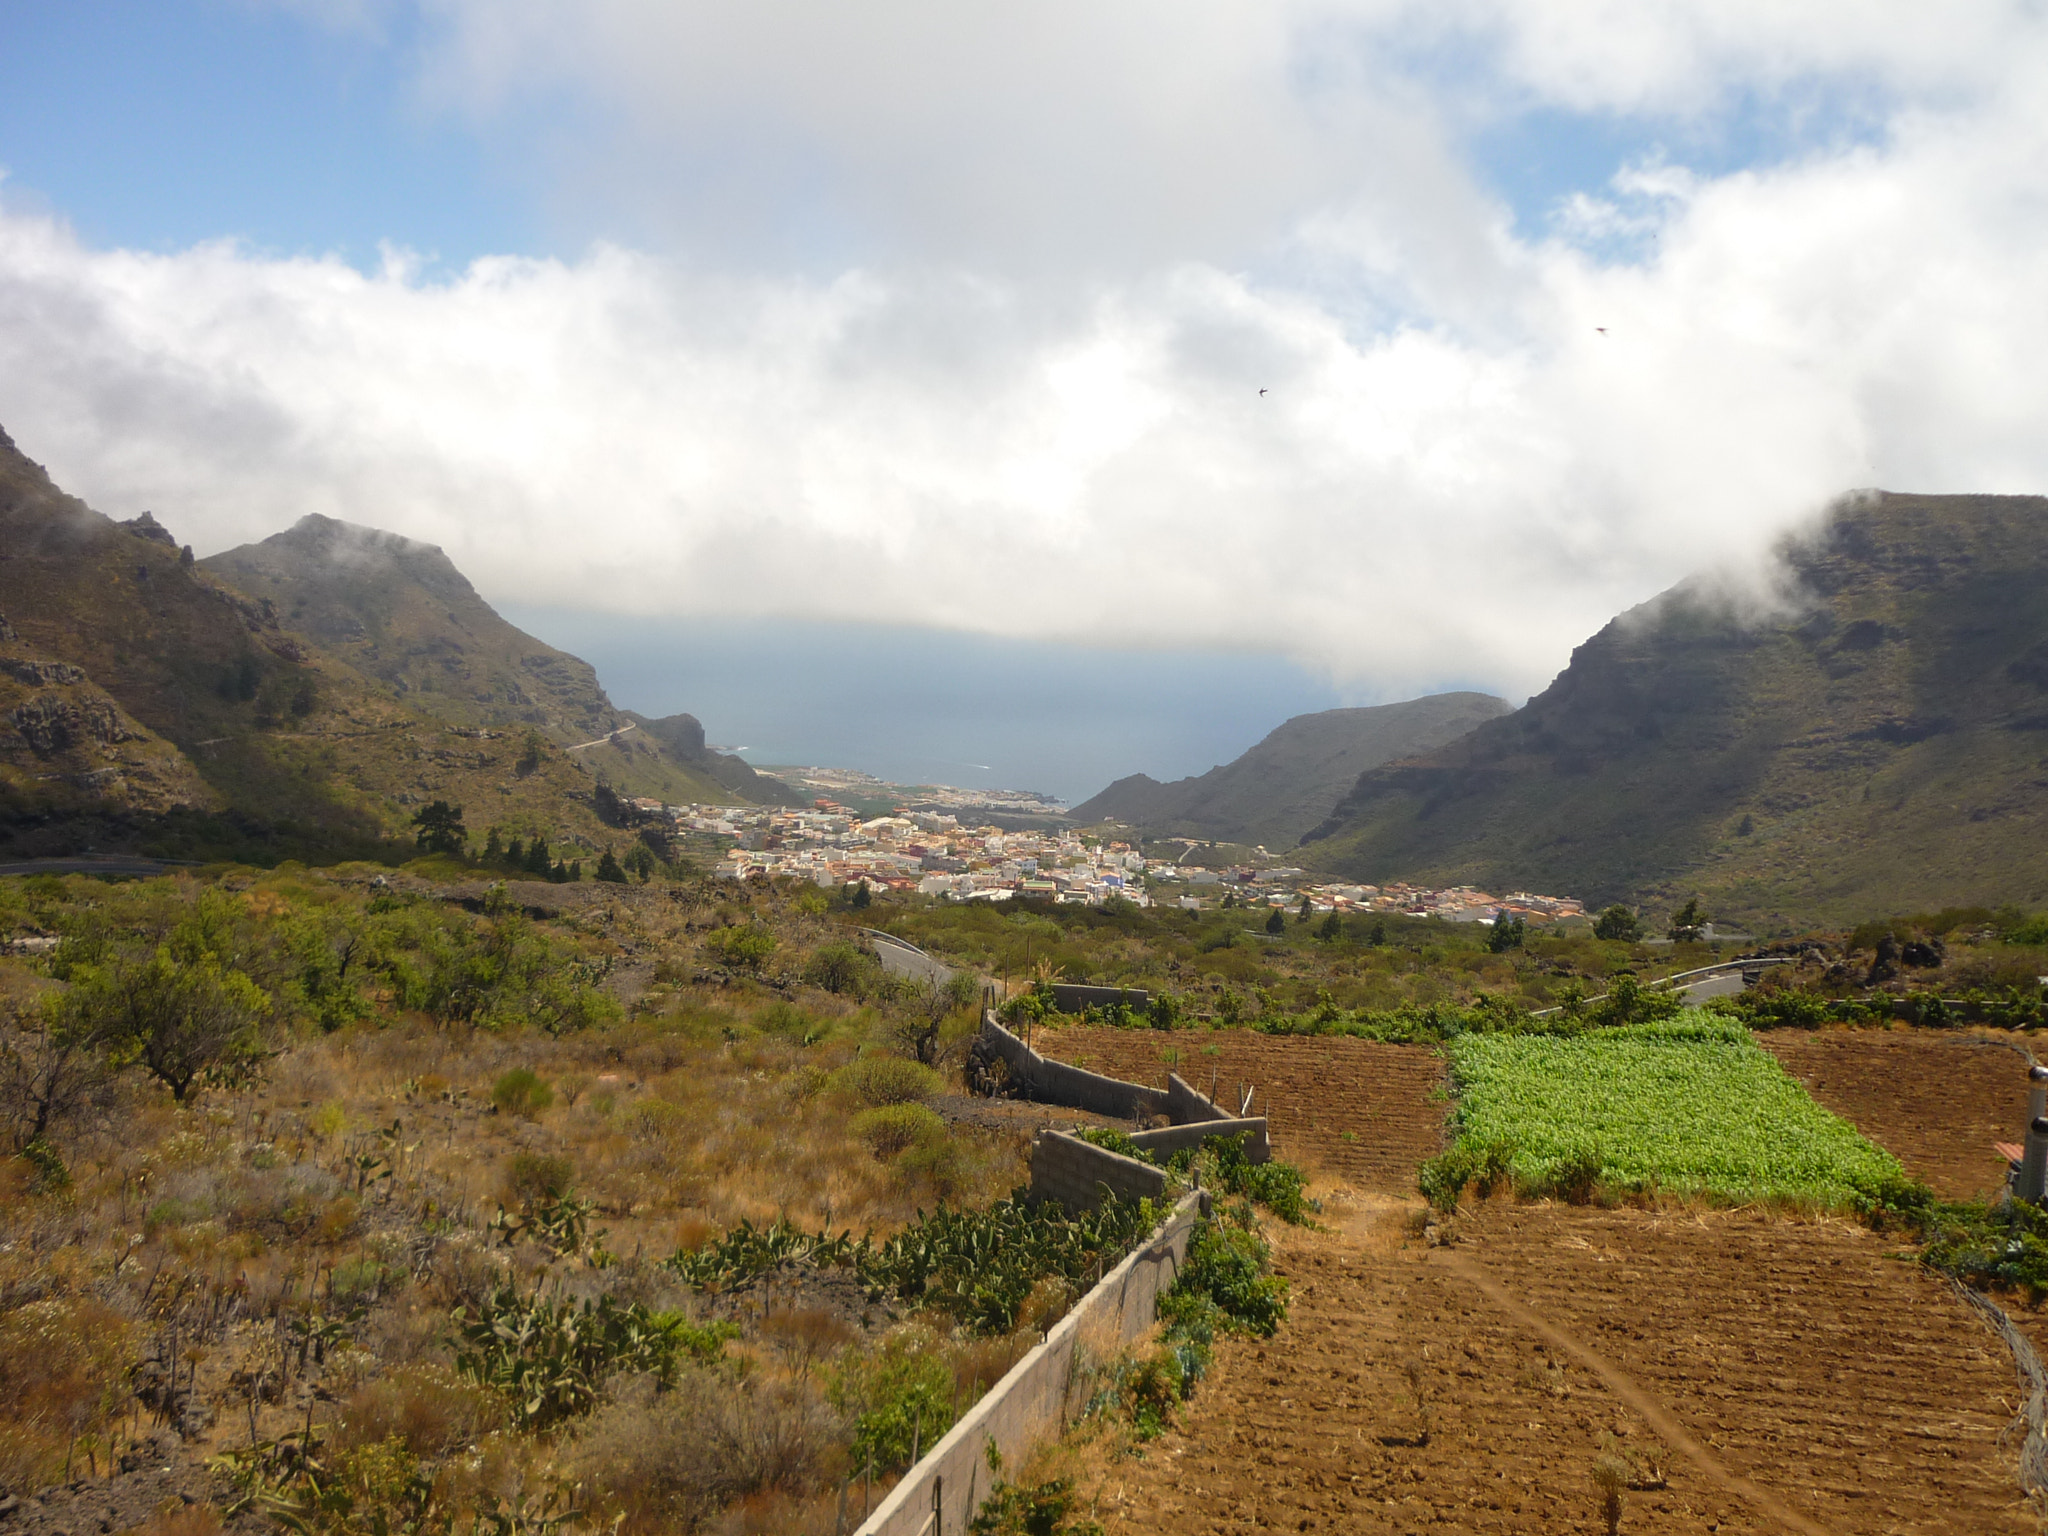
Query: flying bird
[1601,329]
[1262,391]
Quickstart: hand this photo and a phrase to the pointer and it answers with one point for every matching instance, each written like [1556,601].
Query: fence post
[2037,1080]
[2033,1186]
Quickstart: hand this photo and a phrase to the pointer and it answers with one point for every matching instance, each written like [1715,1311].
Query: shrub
[521,1092]
[879,1080]
[839,968]
[900,1399]
[1225,1285]
[63,1373]
[1442,1179]
[668,1461]
[537,1177]
[428,1409]
[1031,1509]
[894,1128]
[746,947]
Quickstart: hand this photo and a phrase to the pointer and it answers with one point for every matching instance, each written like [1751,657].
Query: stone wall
[1178,1138]
[1030,1405]
[1054,1082]
[1075,1173]
[1186,1104]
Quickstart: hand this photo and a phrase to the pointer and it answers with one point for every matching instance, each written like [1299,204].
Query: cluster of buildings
[1283,886]
[936,853]
[927,851]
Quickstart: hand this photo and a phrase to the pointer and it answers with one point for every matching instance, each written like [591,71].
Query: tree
[609,870]
[179,1018]
[1331,930]
[638,861]
[1507,933]
[1617,922]
[494,847]
[931,1001]
[1687,921]
[440,829]
[53,1065]
[611,810]
[1307,906]
[529,756]
[1277,923]
[537,857]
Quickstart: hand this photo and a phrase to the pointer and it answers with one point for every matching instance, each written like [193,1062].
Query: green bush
[900,1399]
[537,1177]
[1031,1509]
[1485,1164]
[878,1080]
[892,1128]
[1224,1286]
[746,947]
[521,1092]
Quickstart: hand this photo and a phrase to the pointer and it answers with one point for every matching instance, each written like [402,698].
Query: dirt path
[1782,1377]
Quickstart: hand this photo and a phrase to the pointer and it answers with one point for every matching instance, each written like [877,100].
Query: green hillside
[1881,748]
[1288,783]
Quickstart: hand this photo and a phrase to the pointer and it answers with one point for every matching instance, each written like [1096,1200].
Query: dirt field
[1781,1377]
[1353,1112]
[1935,1100]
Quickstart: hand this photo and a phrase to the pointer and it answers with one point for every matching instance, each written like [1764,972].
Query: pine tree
[608,869]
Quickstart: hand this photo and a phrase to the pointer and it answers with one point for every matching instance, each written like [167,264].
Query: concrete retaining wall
[1177,1138]
[1054,1082]
[1075,1172]
[1030,1405]
[1186,1104]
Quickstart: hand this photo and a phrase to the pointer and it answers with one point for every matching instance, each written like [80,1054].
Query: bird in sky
[1601,329]
[1262,391]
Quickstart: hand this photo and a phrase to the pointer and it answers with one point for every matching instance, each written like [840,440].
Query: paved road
[112,864]
[901,958]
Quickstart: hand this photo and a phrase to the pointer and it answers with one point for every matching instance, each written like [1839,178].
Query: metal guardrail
[1665,981]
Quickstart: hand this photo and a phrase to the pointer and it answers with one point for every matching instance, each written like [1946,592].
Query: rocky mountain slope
[1289,782]
[401,612]
[147,702]
[1878,746]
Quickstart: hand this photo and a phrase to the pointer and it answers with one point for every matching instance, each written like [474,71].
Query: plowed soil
[1771,1376]
[1353,1112]
[1935,1100]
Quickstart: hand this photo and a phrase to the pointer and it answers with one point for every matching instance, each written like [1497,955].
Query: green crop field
[1692,1105]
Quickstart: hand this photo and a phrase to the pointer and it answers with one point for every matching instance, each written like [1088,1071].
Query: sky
[1199,364]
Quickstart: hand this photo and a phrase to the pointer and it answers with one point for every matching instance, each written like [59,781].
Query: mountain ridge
[1289,780]
[1878,749]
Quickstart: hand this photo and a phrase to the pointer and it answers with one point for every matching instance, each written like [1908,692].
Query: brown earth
[1936,1101]
[1768,1375]
[1353,1112]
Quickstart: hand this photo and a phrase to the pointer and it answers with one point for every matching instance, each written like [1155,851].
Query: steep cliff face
[1877,743]
[1290,781]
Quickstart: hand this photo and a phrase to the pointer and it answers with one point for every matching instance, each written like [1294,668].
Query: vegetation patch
[1689,1106]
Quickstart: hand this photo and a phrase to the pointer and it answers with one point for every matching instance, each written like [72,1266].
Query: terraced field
[1936,1100]
[1779,1376]
[1353,1112]
[1764,1374]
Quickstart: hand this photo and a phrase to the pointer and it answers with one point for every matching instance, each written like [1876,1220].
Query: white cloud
[1455,476]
